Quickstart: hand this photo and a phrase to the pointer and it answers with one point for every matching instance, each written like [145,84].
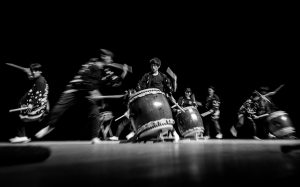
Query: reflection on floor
[203,162]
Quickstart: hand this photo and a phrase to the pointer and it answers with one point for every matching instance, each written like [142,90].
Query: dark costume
[37,101]
[89,78]
[185,102]
[247,111]
[161,81]
[37,97]
[212,104]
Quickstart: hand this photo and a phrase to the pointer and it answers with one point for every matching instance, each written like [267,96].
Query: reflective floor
[187,162]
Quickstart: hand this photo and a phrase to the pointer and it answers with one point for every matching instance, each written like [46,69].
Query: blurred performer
[188,99]
[247,113]
[36,102]
[125,119]
[82,89]
[267,107]
[212,104]
[156,79]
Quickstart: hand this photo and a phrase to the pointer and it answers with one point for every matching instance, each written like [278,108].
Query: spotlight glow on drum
[157,104]
[194,117]
[283,118]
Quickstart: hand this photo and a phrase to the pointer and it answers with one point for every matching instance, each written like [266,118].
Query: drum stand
[198,136]
[161,137]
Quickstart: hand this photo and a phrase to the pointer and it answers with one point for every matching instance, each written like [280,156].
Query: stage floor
[203,162]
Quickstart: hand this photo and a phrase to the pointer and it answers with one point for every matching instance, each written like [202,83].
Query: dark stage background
[234,56]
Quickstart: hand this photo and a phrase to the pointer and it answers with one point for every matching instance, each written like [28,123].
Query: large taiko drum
[150,113]
[189,122]
[280,124]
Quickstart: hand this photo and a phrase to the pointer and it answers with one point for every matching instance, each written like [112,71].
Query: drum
[150,113]
[189,122]
[280,124]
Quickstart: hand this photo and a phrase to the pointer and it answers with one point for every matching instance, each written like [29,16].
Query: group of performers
[98,73]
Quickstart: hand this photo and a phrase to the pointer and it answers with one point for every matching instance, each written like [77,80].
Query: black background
[236,52]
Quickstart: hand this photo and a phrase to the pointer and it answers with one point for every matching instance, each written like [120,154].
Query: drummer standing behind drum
[86,85]
[188,99]
[156,79]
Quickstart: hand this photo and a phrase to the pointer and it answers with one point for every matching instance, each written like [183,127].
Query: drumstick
[26,70]
[18,109]
[179,107]
[262,96]
[279,88]
[173,106]
[16,66]
[173,100]
[275,91]
[206,113]
[120,117]
[106,96]
[120,66]
[263,115]
[126,113]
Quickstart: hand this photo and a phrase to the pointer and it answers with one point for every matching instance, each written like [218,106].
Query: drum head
[143,93]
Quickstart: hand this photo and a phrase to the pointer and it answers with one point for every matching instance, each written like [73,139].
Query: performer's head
[106,55]
[211,90]
[264,90]
[188,92]
[255,96]
[155,64]
[106,58]
[36,70]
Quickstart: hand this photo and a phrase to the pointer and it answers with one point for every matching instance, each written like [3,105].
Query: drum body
[280,124]
[189,122]
[150,112]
